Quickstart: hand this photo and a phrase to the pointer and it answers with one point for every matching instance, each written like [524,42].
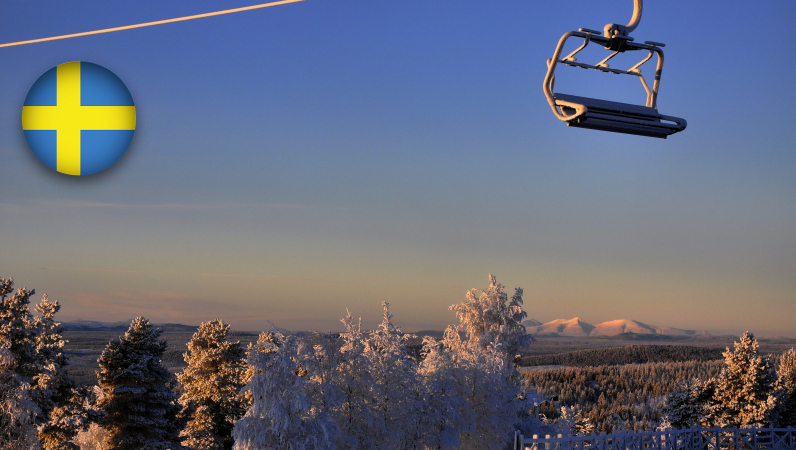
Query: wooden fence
[691,439]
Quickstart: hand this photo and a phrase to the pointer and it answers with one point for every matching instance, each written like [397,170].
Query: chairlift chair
[583,112]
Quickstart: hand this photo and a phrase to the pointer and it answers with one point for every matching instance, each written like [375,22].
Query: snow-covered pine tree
[66,420]
[54,392]
[282,416]
[18,329]
[746,394]
[210,388]
[688,405]
[787,384]
[17,411]
[36,345]
[137,395]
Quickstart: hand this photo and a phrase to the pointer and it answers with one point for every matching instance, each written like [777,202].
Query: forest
[358,388]
[631,354]
[616,397]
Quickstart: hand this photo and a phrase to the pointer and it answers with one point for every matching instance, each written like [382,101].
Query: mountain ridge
[576,327]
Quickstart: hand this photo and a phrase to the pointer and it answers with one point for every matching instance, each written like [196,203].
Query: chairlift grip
[613,30]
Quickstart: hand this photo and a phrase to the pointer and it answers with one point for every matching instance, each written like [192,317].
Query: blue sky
[294,161]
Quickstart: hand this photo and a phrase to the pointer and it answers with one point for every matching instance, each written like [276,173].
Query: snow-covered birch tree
[446,411]
[488,317]
[491,390]
[352,382]
[362,390]
[396,390]
[282,416]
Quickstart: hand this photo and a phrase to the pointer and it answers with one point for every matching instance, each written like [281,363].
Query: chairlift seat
[617,117]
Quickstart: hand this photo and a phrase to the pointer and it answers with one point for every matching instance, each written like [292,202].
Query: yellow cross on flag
[78,118]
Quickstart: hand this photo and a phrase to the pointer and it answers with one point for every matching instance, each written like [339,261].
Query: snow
[562,327]
[576,327]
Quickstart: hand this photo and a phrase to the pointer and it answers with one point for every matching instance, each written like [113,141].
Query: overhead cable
[149,24]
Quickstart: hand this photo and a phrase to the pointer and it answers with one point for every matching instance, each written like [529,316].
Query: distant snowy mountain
[614,327]
[577,327]
[562,327]
[531,323]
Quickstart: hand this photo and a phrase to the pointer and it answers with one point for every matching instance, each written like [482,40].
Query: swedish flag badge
[78,118]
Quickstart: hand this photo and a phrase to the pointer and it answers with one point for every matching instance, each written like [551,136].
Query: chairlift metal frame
[607,115]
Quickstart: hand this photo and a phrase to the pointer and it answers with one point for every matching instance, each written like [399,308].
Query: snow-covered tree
[349,395]
[363,391]
[488,317]
[282,415]
[323,366]
[491,390]
[493,334]
[66,420]
[530,419]
[746,394]
[18,329]
[17,411]
[573,423]
[36,345]
[688,405]
[93,438]
[210,388]
[137,395]
[87,417]
[54,392]
[396,390]
[446,411]
[787,384]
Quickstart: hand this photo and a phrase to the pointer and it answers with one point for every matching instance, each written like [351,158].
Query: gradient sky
[294,161]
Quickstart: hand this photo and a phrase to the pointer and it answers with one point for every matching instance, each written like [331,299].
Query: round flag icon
[78,118]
